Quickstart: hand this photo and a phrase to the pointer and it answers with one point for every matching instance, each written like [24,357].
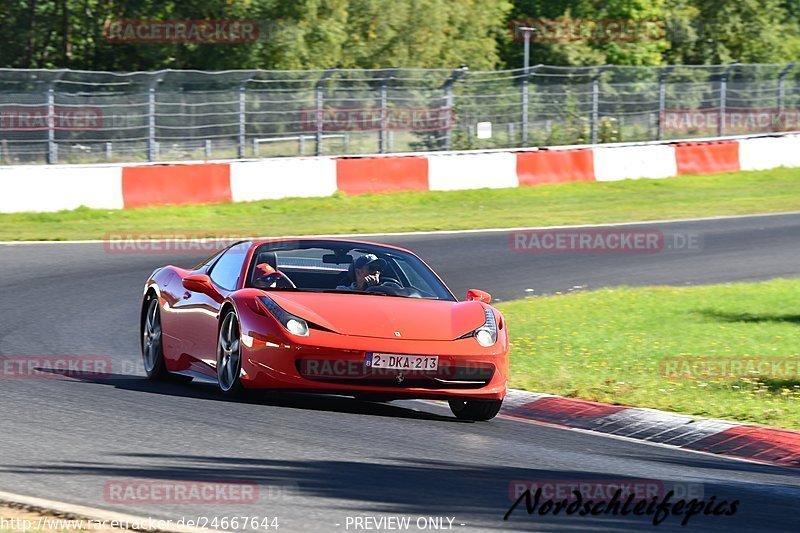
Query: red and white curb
[756,443]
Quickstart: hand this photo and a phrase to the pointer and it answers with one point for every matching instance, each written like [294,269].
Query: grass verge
[573,203]
[666,348]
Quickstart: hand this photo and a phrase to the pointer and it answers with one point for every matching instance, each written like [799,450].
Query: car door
[200,310]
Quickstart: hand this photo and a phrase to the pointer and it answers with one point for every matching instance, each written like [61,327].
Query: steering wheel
[392,287]
[281,281]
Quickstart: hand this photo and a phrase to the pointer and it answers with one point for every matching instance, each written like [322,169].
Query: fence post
[450,102]
[448,99]
[151,121]
[319,122]
[382,133]
[723,90]
[595,105]
[50,95]
[526,57]
[723,97]
[526,103]
[782,91]
[662,100]
[242,120]
[524,124]
[52,151]
[242,141]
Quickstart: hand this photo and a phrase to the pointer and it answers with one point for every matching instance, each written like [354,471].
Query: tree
[597,40]
[741,31]
[301,34]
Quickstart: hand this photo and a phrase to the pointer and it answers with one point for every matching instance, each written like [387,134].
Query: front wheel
[153,346]
[152,350]
[476,410]
[229,356]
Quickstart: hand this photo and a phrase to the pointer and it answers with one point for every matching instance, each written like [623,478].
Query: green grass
[574,203]
[609,345]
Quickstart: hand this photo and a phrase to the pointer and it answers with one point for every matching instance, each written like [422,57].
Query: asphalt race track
[318,460]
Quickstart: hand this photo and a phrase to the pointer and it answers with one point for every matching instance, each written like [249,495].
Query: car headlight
[293,324]
[486,335]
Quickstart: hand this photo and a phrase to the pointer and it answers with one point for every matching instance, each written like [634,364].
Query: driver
[365,272]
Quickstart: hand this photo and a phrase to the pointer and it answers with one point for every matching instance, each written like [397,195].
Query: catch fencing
[65,116]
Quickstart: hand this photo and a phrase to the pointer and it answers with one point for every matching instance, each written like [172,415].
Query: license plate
[402,362]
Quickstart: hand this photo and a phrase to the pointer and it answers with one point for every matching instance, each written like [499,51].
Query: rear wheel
[475,409]
[229,356]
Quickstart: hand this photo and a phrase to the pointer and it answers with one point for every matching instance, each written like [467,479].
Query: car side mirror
[199,283]
[475,295]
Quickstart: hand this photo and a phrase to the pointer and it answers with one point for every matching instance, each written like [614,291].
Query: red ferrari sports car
[325,316]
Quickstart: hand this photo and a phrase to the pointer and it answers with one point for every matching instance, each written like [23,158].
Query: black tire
[153,345]
[476,410]
[229,356]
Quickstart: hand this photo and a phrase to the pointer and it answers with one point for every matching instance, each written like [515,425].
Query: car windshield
[326,266]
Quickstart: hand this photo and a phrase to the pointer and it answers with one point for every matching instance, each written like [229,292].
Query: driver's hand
[372,279]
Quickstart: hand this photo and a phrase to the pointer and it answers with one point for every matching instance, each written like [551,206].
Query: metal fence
[64,116]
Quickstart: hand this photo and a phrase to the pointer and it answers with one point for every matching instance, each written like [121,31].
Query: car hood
[384,316]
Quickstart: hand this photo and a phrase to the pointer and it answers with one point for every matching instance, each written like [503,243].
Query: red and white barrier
[270,179]
[633,162]
[493,170]
[363,175]
[45,188]
[38,188]
[707,157]
[762,153]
